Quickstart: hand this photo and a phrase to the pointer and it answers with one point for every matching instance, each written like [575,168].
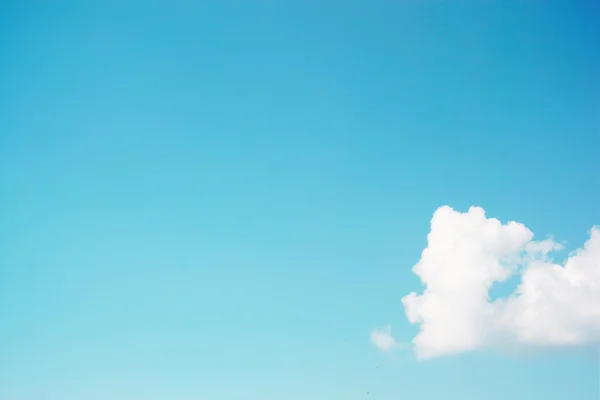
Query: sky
[299,200]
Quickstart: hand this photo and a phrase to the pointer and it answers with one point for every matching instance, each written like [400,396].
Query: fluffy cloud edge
[555,305]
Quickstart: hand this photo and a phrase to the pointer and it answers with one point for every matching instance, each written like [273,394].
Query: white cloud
[383,339]
[554,305]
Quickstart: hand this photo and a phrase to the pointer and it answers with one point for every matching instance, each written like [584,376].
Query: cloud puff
[382,338]
[554,305]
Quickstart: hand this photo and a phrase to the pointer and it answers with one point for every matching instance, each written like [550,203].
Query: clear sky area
[292,200]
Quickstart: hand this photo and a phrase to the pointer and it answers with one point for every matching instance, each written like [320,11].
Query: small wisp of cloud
[382,338]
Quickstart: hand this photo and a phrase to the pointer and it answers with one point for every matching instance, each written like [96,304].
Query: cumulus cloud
[382,338]
[554,304]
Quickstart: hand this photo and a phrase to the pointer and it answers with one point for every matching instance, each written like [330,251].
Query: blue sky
[221,201]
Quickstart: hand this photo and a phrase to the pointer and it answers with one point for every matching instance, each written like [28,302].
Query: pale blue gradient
[221,201]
